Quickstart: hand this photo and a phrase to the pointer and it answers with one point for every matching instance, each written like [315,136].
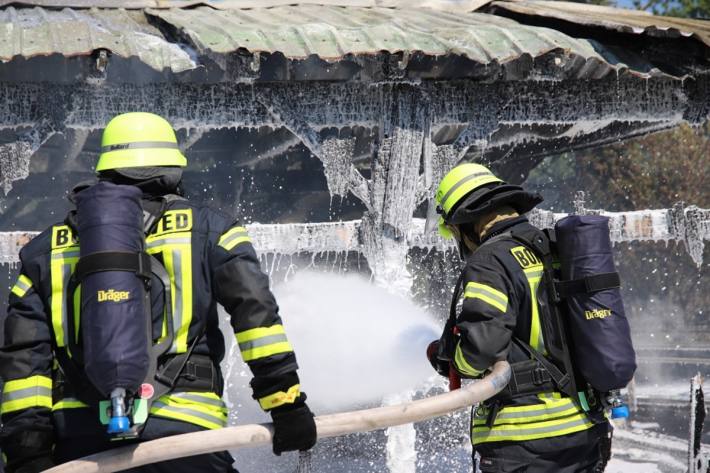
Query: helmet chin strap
[464,250]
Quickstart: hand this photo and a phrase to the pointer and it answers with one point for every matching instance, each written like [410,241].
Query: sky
[624,4]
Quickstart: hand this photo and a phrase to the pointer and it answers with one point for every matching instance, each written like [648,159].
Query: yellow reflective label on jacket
[62,237]
[173,221]
[525,257]
[280,398]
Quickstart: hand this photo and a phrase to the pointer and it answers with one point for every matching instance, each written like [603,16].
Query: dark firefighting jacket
[500,283]
[210,259]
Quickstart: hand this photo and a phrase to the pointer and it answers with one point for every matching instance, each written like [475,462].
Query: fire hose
[331,425]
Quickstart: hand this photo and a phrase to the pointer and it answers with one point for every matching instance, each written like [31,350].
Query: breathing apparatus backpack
[590,355]
[589,352]
[111,358]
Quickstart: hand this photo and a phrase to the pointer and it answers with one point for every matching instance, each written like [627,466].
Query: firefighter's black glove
[294,427]
[440,365]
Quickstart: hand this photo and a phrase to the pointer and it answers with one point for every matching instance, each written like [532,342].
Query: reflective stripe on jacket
[209,259]
[550,416]
[501,280]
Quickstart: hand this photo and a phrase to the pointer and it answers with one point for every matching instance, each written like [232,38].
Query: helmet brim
[485,201]
[142,174]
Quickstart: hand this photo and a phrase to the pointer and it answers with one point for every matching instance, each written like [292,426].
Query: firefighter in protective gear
[210,260]
[539,431]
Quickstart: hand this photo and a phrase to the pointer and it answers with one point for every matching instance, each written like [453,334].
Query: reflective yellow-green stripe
[176,251]
[534,275]
[204,409]
[259,332]
[68,403]
[460,181]
[19,394]
[280,398]
[234,237]
[267,350]
[24,383]
[261,342]
[22,285]
[62,265]
[462,365]
[551,408]
[487,294]
[531,431]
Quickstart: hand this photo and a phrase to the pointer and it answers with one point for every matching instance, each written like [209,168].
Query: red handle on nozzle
[454,379]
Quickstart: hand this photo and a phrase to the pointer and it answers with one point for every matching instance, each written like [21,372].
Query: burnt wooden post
[393,183]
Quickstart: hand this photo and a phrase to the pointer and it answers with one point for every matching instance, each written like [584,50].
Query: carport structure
[387,95]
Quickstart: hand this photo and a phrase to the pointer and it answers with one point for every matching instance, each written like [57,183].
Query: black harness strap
[85,391]
[553,373]
[588,284]
[169,373]
[139,263]
[447,344]
[533,376]
[553,319]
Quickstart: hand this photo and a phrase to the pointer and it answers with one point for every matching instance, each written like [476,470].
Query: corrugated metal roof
[616,19]
[37,31]
[448,5]
[297,31]
[332,32]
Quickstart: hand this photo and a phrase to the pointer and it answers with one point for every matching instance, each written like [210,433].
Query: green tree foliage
[699,9]
[663,287]
[680,8]
[654,171]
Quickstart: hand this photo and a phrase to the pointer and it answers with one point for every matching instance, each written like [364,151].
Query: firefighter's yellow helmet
[139,139]
[456,185]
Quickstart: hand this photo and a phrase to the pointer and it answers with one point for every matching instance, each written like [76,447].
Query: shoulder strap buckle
[493,409]
[540,376]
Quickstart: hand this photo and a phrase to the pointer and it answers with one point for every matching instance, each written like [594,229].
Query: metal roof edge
[311,38]
[452,6]
[608,18]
